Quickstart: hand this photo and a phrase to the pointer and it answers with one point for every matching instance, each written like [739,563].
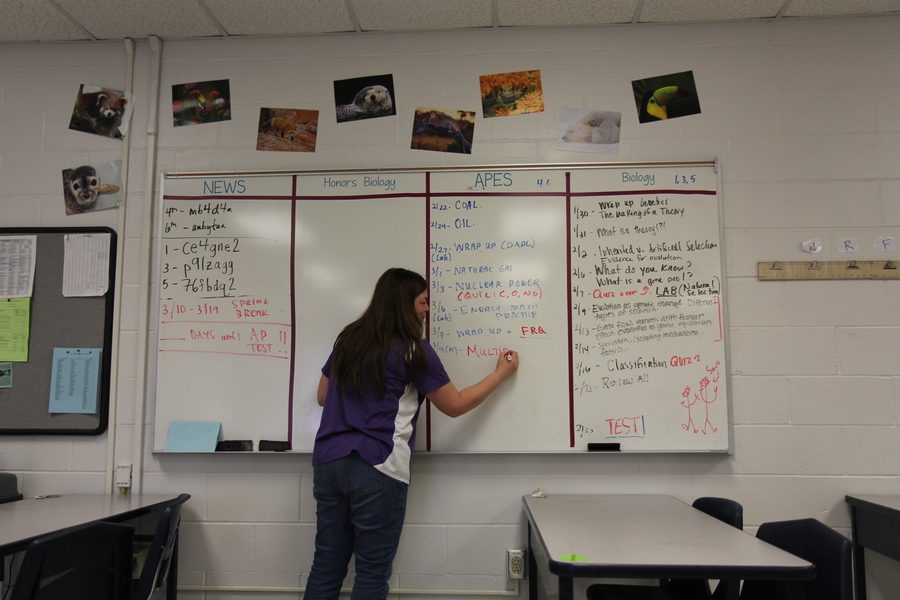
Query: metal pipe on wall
[146,259]
[117,283]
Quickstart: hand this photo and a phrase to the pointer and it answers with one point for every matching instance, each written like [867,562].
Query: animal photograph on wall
[589,130]
[88,188]
[516,93]
[201,102]
[101,111]
[443,130]
[287,130]
[364,98]
[666,97]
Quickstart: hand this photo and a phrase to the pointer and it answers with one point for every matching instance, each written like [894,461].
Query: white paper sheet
[17,258]
[86,265]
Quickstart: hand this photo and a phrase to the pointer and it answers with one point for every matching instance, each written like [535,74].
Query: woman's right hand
[453,402]
[507,363]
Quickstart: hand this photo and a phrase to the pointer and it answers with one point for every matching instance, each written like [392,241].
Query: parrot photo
[668,102]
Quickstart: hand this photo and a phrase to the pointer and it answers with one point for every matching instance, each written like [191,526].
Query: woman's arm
[322,392]
[453,402]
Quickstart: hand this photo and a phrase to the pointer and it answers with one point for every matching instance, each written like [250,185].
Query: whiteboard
[607,279]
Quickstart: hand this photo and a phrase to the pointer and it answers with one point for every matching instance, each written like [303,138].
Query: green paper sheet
[15,317]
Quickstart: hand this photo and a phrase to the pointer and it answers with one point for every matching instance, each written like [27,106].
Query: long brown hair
[362,347]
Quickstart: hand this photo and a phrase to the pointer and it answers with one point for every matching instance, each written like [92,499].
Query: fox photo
[287,130]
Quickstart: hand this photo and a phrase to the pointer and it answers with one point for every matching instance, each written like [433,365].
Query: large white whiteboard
[606,278]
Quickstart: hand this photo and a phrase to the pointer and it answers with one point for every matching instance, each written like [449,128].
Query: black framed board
[607,278]
[62,323]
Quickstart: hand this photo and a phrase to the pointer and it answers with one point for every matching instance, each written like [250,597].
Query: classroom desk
[876,525]
[23,521]
[642,536]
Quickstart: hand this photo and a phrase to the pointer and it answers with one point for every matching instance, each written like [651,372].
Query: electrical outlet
[123,476]
[515,564]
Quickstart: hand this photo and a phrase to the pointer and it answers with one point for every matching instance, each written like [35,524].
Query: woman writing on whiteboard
[372,385]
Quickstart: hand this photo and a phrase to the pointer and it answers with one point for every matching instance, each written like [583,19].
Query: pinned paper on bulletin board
[73,381]
[15,317]
[5,375]
[17,260]
[86,264]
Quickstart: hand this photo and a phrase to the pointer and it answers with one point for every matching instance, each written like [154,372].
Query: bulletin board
[606,278]
[59,322]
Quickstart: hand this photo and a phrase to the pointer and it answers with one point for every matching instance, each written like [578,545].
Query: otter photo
[364,98]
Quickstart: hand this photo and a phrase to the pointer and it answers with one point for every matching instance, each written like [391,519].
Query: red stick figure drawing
[713,372]
[687,403]
[707,382]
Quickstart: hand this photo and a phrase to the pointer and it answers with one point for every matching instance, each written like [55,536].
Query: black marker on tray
[604,447]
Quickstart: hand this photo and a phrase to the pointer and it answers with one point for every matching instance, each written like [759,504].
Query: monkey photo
[101,111]
[82,188]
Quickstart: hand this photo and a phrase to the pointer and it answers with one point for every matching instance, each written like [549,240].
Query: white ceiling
[91,20]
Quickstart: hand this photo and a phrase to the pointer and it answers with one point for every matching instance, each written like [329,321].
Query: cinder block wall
[805,119]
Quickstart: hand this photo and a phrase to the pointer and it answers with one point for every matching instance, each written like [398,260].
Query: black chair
[162,554]
[87,562]
[723,509]
[816,542]
[9,488]
[9,492]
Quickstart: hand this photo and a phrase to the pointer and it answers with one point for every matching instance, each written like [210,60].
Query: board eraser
[234,446]
[604,447]
[273,446]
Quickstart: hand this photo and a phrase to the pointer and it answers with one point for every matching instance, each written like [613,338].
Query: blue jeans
[359,512]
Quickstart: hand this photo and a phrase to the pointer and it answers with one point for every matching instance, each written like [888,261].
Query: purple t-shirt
[380,429]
